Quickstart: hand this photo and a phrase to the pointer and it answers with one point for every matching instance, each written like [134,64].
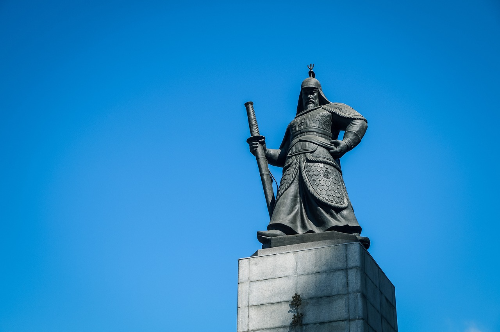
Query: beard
[310,104]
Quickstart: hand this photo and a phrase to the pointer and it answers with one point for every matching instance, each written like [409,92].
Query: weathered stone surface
[322,284]
[321,259]
[243,294]
[342,326]
[374,318]
[358,326]
[387,288]
[386,327]
[326,309]
[341,286]
[243,270]
[279,329]
[372,294]
[268,316]
[355,255]
[272,290]
[242,319]
[355,281]
[357,306]
[388,311]
[268,267]
[371,269]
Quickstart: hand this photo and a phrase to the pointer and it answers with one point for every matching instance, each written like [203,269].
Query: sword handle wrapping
[252,120]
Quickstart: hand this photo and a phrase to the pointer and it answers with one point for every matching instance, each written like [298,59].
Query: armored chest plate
[318,120]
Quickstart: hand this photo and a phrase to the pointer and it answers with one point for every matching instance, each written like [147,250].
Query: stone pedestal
[341,287]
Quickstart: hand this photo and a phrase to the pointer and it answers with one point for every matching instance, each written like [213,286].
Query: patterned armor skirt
[312,197]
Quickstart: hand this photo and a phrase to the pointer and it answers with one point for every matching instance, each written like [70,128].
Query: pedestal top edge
[299,247]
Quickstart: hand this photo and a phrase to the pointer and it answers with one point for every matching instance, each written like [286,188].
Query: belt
[318,140]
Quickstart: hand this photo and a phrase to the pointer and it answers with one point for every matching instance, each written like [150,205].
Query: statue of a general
[312,197]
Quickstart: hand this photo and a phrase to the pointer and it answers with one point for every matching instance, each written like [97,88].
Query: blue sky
[127,191]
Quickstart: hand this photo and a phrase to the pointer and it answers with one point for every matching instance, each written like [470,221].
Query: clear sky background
[127,191]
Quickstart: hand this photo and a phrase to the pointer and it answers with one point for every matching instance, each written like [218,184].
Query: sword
[260,156]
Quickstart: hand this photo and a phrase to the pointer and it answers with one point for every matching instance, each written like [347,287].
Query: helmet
[311,82]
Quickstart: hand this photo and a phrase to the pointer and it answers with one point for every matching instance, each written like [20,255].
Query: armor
[312,197]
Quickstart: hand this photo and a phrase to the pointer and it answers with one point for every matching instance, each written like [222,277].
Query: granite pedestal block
[341,287]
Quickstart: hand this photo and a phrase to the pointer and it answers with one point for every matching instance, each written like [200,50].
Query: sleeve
[355,128]
[354,133]
[277,157]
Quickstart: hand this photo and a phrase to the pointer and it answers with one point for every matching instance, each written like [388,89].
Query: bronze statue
[312,197]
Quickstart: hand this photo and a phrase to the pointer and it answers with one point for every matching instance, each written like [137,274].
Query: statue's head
[311,95]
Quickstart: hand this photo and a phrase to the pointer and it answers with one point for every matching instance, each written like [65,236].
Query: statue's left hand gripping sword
[260,155]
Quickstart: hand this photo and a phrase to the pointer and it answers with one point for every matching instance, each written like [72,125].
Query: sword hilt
[252,120]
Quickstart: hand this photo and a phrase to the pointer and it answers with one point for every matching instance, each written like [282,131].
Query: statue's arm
[273,157]
[354,129]
[277,157]
[354,132]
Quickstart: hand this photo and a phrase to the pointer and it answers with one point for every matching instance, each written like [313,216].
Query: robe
[312,197]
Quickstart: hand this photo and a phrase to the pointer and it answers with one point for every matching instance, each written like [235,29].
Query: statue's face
[310,98]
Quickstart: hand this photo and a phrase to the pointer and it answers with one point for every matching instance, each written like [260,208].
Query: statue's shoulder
[344,111]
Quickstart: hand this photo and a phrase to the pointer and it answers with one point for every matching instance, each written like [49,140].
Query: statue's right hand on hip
[339,148]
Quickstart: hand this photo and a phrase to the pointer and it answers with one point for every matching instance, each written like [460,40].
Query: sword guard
[256,138]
